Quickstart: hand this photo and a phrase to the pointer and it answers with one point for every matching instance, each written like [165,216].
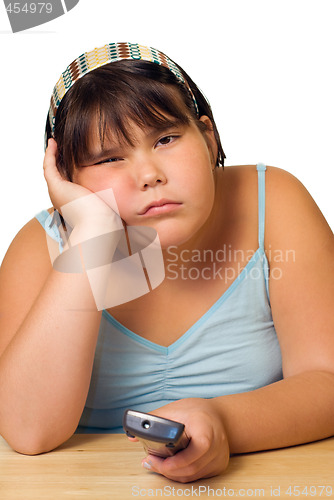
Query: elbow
[31,447]
[31,435]
[35,444]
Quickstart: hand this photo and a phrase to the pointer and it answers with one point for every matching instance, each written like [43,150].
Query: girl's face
[164,181]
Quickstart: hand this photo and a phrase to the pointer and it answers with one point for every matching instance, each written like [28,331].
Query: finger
[200,444]
[194,456]
[51,149]
[215,467]
[182,468]
[134,439]
[177,469]
[51,172]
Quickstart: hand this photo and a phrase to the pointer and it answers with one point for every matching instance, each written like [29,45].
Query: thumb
[152,462]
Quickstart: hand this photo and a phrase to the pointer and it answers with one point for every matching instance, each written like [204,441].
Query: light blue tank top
[231,349]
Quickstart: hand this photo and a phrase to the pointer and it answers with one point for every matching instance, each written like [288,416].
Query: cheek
[200,183]
[91,178]
[98,180]
[198,166]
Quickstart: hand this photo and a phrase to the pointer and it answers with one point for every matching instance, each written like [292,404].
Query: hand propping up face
[76,203]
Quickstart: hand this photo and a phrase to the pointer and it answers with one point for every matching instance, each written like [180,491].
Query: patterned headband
[111,52]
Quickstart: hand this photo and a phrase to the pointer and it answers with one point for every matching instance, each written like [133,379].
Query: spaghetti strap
[45,219]
[261,169]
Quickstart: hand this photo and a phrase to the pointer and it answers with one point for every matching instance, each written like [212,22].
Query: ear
[209,135]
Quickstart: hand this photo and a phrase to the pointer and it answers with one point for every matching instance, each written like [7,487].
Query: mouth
[160,207]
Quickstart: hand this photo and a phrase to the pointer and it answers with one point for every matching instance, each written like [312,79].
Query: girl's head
[109,88]
[137,122]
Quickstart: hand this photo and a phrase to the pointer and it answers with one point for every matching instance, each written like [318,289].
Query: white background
[265,65]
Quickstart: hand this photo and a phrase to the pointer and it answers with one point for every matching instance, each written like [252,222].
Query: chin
[172,238]
[173,232]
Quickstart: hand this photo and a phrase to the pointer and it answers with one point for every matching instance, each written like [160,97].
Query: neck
[206,237]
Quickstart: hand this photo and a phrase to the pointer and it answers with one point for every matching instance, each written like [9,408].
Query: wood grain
[107,466]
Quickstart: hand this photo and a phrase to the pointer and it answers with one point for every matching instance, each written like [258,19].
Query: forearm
[292,411]
[45,370]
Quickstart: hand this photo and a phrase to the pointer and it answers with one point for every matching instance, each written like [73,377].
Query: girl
[235,338]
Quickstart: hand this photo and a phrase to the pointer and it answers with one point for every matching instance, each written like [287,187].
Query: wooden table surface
[97,466]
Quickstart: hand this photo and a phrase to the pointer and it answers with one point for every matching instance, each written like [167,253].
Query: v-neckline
[169,349]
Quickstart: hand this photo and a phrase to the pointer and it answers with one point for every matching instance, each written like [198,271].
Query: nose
[151,175]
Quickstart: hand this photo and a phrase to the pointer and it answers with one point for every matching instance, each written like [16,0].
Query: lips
[158,207]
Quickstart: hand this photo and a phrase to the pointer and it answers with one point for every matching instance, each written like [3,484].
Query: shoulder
[292,216]
[246,177]
[28,252]
[30,239]
[283,188]
[290,208]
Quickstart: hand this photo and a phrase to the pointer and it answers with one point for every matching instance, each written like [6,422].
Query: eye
[168,139]
[108,160]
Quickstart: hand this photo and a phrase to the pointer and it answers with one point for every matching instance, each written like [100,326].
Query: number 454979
[312,491]
[29,8]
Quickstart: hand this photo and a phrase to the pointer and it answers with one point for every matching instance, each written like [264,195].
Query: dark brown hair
[117,94]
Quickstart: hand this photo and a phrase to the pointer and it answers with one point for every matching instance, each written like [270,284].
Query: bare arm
[45,369]
[296,410]
[299,408]
[48,330]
